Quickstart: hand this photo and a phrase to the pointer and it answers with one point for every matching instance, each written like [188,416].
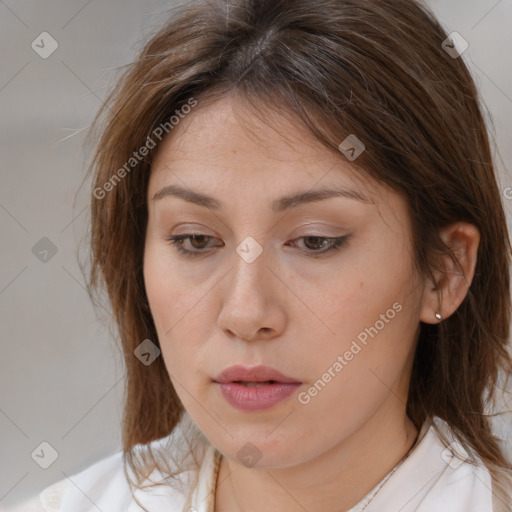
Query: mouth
[253,376]
[255,388]
[256,396]
[255,383]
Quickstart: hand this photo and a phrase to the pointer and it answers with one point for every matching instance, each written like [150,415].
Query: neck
[336,480]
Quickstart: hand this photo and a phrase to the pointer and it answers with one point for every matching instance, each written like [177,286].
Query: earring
[439,317]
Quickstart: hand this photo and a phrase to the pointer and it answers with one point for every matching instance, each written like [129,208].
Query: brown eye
[316,246]
[198,245]
[201,241]
[317,242]
[195,243]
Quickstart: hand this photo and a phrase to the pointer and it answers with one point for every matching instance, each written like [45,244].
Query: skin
[287,309]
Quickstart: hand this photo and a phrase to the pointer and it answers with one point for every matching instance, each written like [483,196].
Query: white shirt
[430,479]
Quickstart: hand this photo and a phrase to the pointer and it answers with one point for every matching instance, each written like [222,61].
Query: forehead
[227,141]
[249,165]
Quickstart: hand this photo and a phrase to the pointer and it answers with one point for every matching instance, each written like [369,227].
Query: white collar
[431,478]
[428,480]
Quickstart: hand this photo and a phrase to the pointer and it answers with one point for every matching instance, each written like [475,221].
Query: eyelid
[335,244]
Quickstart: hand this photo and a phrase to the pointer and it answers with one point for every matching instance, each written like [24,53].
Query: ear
[446,294]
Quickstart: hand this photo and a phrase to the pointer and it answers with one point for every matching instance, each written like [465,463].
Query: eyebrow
[278,205]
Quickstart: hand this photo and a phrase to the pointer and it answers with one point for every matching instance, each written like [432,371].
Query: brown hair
[374,68]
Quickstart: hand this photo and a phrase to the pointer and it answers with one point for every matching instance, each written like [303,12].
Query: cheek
[370,308]
[356,293]
[170,297]
[174,308]
[351,379]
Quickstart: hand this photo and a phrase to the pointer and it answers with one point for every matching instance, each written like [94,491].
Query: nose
[253,299]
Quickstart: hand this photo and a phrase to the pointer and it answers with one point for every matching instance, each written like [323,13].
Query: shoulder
[51,499]
[437,476]
[463,479]
[101,478]
[104,484]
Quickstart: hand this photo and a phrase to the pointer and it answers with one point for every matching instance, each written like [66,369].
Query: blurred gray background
[61,373]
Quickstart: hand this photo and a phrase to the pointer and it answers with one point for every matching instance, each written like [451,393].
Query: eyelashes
[177,242]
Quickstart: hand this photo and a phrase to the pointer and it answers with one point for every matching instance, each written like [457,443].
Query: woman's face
[261,287]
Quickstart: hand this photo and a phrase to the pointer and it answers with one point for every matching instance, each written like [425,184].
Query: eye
[178,240]
[315,245]
[320,245]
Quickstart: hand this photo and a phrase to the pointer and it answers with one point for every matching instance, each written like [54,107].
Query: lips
[255,389]
[253,375]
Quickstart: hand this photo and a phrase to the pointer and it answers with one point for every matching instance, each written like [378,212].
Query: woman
[296,217]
